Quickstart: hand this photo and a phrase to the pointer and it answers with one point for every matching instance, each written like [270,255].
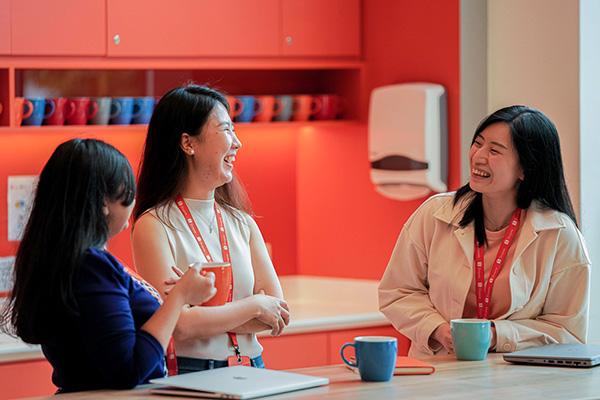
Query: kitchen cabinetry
[5,27]
[321,28]
[58,27]
[193,28]
[319,348]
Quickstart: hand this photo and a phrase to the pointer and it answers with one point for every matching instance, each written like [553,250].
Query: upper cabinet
[321,28]
[193,28]
[181,28]
[57,27]
[5,27]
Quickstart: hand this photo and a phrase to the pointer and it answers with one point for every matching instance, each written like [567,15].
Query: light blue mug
[375,357]
[471,338]
[142,109]
[251,107]
[121,111]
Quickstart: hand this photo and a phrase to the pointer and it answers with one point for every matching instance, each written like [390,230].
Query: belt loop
[211,364]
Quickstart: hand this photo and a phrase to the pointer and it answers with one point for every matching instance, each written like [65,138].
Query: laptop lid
[239,382]
[561,355]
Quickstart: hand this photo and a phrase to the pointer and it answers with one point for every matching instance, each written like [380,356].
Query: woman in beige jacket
[512,225]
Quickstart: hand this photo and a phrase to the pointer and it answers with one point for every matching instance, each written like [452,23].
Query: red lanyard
[224,248]
[194,228]
[484,291]
[171,357]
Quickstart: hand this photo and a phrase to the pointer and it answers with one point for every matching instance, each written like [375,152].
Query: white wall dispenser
[408,140]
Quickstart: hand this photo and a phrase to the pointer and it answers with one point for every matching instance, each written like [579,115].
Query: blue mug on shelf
[251,107]
[121,111]
[142,110]
[375,357]
[42,108]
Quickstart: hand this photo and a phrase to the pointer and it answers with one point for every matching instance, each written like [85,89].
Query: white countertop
[316,304]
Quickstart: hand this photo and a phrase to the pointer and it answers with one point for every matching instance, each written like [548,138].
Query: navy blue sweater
[103,347]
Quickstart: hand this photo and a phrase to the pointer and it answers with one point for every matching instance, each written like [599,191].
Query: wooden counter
[492,378]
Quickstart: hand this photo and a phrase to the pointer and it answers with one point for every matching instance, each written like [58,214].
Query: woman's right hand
[272,311]
[443,335]
[196,286]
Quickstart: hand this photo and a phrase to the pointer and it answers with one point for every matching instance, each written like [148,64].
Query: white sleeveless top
[186,251]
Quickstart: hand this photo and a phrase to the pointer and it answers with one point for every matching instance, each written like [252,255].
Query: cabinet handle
[117,39]
[289,40]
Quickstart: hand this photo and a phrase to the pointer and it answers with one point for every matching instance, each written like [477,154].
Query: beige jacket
[429,275]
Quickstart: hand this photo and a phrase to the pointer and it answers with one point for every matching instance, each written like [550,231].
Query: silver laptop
[558,355]
[239,382]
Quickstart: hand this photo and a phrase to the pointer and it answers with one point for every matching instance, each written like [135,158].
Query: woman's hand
[443,335]
[272,311]
[196,286]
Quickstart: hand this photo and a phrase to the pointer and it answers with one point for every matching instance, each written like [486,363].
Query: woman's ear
[186,144]
[105,210]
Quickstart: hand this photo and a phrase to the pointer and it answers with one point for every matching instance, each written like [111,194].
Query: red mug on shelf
[271,107]
[331,107]
[63,109]
[306,106]
[20,113]
[84,110]
[235,106]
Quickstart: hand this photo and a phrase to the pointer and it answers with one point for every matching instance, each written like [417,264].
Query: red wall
[310,186]
[345,228]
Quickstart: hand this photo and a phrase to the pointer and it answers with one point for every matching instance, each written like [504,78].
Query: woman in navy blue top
[99,327]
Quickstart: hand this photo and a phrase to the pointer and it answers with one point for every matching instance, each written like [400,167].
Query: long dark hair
[536,141]
[163,165]
[66,219]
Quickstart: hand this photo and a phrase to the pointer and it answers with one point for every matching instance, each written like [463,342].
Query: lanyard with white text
[171,356]
[226,258]
[484,291]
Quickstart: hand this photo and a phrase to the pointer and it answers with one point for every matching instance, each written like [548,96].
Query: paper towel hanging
[408,140]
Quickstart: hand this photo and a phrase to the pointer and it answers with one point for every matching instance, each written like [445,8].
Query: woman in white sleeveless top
[190,151]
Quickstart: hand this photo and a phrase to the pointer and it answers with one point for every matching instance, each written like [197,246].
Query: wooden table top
[492,378]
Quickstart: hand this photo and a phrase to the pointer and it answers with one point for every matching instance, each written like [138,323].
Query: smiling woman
[511,229]
[186,184]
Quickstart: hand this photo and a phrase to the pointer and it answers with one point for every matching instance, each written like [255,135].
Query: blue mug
[251,107]
[471,338]
[375,357]
[142,110]
[42,108]
[121,111]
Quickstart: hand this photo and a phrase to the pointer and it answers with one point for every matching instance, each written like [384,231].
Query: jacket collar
[538,217]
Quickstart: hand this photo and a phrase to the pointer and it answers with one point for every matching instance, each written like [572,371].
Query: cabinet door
[58,27]
[295,351]
[5,27]
[321,27]
[190,28]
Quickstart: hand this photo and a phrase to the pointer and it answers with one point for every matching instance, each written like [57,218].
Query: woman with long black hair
[504,247]
[99,324]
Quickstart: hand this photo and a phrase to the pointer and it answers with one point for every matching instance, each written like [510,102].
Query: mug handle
[48,111]
[72,107]
[355,365]
[137,103]
[258,106]
[0,108]
[277,107]
[94,108]
[117,109]
[29,105]
[316,106]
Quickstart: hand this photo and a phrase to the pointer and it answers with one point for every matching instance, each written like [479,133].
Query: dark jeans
[186,365]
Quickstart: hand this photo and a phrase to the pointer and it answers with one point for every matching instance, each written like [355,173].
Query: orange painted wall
[345,228]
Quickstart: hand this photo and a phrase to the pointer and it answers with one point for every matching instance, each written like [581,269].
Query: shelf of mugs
[59,111]
[286,108]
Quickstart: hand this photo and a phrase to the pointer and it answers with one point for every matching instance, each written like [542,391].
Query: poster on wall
[19,197]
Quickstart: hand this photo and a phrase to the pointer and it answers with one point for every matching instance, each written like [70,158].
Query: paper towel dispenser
[408,140]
